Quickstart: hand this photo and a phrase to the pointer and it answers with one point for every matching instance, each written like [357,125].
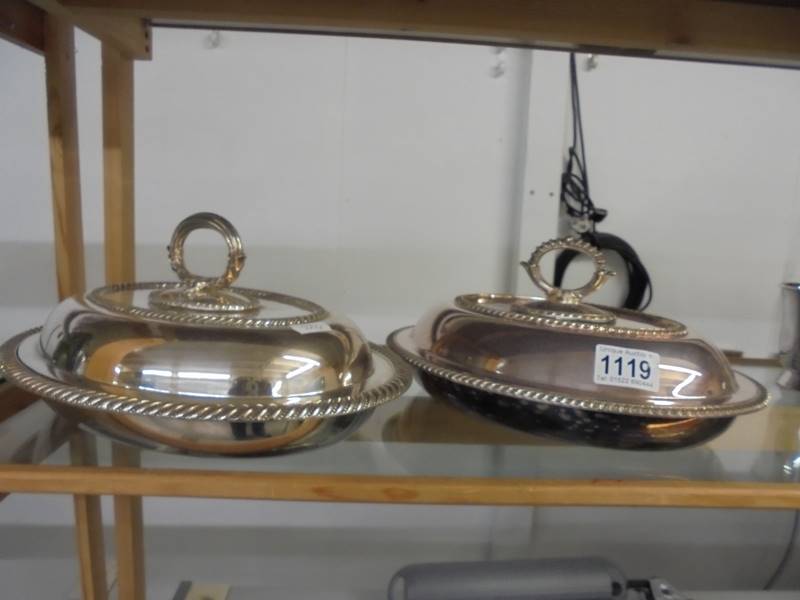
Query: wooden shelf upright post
[62,116]
[117,90]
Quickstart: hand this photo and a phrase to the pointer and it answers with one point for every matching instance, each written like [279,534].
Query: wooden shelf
[717,30]
[420,450]
[752,32]
[395,490]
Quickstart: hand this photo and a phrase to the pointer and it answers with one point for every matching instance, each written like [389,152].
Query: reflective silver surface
[790,336]
[84,346]
[223,439]
[247,426]
[552,368]
[150,361]
[564,309]
[545,351]
[25,365]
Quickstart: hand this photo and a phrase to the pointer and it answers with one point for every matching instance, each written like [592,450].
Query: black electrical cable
[575,178]
[640,289]
[579,206]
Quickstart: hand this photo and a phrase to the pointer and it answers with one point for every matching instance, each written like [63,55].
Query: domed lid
[560,350]
[564,309]
[207,301]
[200,348]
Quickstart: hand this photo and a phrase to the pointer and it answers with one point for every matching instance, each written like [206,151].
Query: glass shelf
[226,592]
[419,436]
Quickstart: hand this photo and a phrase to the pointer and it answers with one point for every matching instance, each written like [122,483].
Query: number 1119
[638,369]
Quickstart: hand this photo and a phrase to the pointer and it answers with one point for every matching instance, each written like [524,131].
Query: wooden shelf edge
[735,30]
[23,24]
[130,36]
[395,489]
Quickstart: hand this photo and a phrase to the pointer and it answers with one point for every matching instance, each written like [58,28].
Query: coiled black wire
[575,178]
[579,206]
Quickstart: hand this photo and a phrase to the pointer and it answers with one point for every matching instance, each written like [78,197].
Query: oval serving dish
[202,367]
[586,373]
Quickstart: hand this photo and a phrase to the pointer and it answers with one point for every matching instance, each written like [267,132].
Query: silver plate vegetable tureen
[201,367]
[588,373]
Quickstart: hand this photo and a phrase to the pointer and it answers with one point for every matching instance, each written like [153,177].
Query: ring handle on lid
[205,294]
[207,220]
[557,294]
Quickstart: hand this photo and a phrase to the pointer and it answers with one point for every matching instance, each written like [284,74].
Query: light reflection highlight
[692,375]
[179,393]
[187,374]
[204,375]
[661,402]
[306,364]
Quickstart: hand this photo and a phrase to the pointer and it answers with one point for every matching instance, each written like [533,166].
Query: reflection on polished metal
[205,293]
[167,365]
[244,437]
[558,295]
[564,309]
[583,318]
[790,336]
[28,369]
[626,403]
[506,355]
[208,301]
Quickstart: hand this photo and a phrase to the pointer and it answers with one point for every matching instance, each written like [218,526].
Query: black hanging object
[585,215]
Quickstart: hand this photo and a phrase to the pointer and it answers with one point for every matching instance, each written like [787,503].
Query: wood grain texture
[208,591]
[62,118]
[118,166]
[117,94]
[22,23]
[396,490]
[129,35]
[129,532]
[690,28]
[89,525]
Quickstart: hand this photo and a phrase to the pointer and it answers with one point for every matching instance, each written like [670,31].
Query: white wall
[351,182]
[379,177]
[699,168]
[703,180]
